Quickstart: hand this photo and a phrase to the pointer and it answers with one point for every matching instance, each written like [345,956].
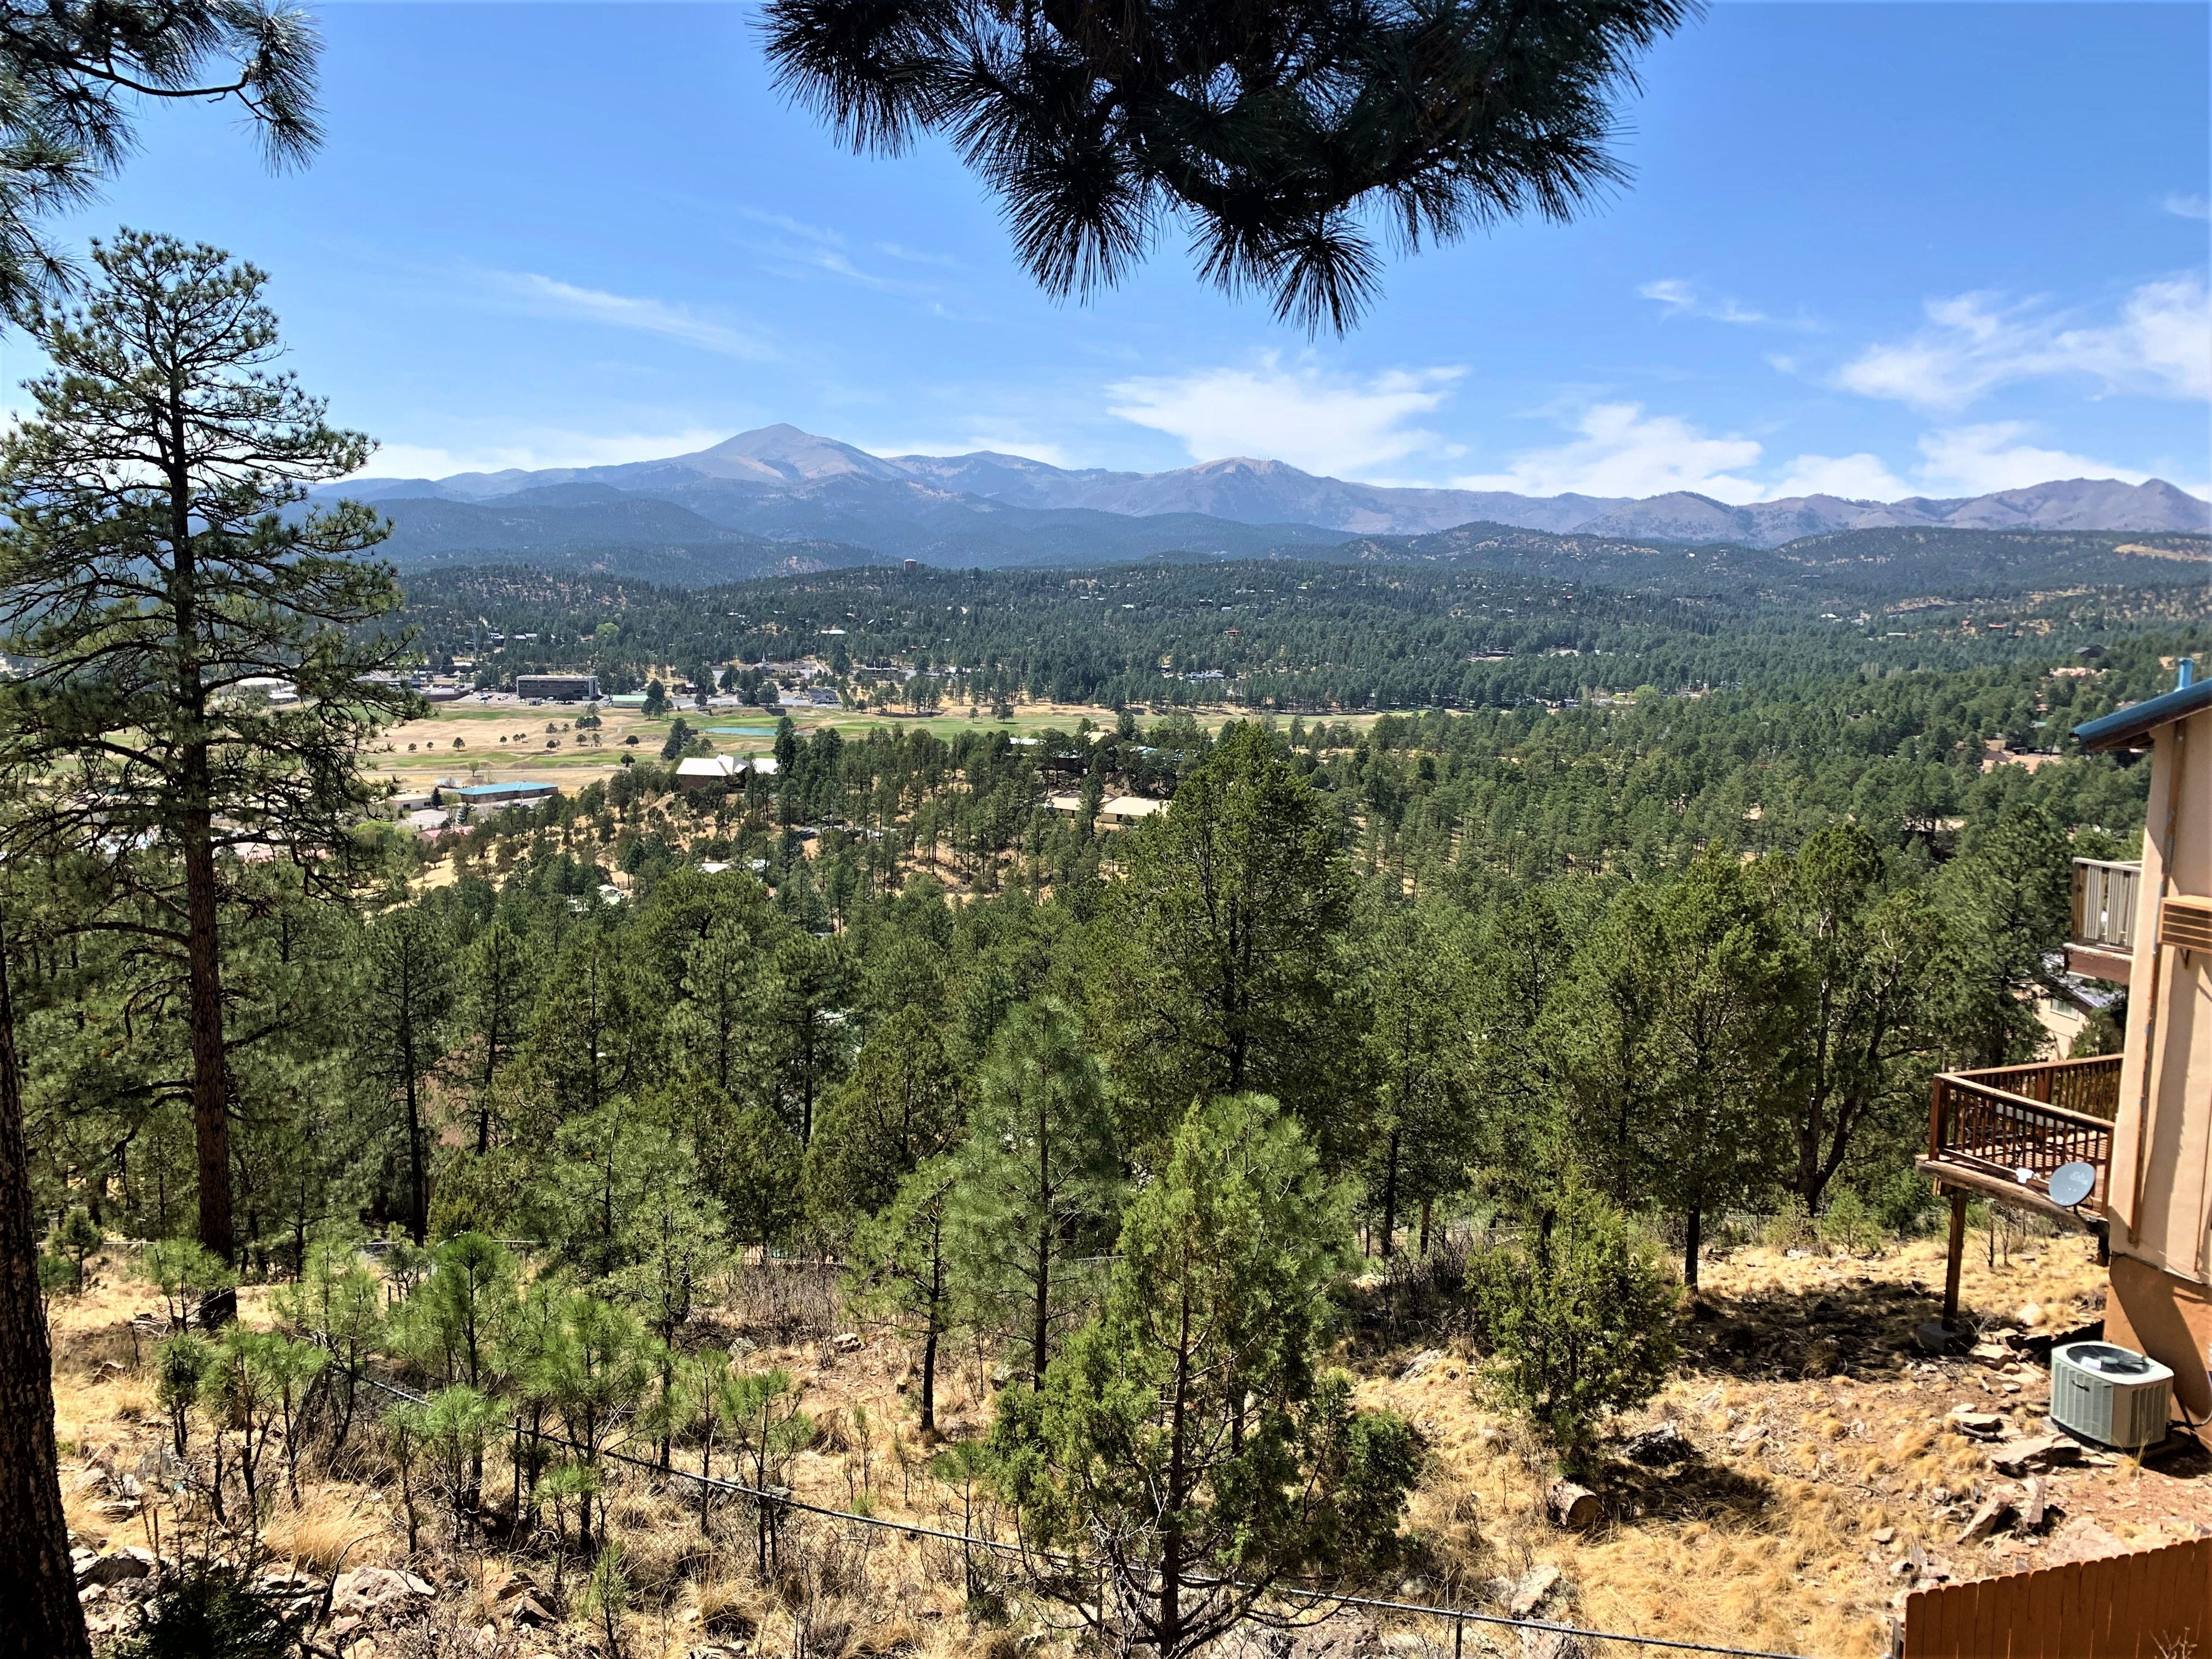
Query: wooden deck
[2002,1131]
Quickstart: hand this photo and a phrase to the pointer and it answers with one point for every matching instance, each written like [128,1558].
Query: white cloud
[533,452]
[1977,461]
[803,251]
[2183,205]
[1677,298]
[915,256]
[1322,424]
[1860,477]
[547,297]
[1619,450]
[2159,344]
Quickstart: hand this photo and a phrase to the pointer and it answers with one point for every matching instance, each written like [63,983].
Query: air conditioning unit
[2111,1394]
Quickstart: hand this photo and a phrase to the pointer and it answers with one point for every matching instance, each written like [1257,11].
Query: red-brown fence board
[2151,1604]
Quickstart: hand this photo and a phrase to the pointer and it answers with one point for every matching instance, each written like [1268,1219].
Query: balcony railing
[2007,1128]
[2104,895]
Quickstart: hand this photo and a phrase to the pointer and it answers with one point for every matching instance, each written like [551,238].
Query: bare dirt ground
[1822,1472]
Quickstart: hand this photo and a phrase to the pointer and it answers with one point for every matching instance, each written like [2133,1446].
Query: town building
[557,688]
[483,796]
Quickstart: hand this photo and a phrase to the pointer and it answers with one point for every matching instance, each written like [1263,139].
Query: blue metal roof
[2127,728]
[479,791]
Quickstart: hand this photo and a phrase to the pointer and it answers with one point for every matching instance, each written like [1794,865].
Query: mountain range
[780,499]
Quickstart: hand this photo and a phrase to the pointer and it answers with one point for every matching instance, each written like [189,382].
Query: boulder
[1552,1644]
[1531,1591]
[1418,1366]
[2081,1540]
[366,1590]
[1994,1515]
[124,1563]
[2035,1457]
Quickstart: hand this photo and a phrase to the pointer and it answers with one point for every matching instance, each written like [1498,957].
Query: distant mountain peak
[781,481]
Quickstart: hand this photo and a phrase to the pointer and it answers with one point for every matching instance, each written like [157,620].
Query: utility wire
[782,1499]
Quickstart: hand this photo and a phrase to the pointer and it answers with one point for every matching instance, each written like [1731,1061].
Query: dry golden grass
[1769,1542]
[333,1520]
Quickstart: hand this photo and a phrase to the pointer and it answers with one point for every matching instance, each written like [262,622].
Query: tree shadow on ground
[1691,1490]
[1864,1331]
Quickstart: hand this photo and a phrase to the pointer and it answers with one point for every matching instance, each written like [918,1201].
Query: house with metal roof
[2120,1144]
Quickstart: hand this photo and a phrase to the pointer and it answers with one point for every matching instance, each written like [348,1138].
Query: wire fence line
[782,1499]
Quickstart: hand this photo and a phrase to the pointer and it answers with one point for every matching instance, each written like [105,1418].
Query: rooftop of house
[2128,728]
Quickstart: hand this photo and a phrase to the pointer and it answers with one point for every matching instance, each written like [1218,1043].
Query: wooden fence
[2151,1604]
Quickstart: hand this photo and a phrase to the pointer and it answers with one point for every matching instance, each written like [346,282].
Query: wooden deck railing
[2091,1086]
[2004,1119]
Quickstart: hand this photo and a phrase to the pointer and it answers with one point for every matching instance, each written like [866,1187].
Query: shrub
[1904,1202]
[187,1274]
[79,1235]
[210,1610]
[179,1365]
[1582,1320]
[1790,1228]
[1851,1227]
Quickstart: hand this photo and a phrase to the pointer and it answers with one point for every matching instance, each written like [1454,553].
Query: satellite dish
[2072,1182]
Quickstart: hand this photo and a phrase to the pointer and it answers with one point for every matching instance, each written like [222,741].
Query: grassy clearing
[1822,1461]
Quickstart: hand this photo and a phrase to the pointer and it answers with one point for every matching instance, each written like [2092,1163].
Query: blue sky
[1877,249]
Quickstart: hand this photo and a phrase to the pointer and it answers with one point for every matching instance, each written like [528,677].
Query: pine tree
[1225,937]
[150,568]
[497,978]
[897,1267]
[1873,988]
[1268,132]
[903,1104]
[1580,1319]
[409,997]
[74,71]
[1186,1437]
[1421,1135]
[1036,1184]
[1677,1035]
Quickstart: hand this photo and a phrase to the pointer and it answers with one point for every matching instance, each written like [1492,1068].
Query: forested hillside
[1276,634]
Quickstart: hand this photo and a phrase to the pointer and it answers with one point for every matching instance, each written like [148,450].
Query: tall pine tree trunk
[936,1322]
[418,1183]
[210,1102]
[44,1619]
[202,957]
[1390,1196]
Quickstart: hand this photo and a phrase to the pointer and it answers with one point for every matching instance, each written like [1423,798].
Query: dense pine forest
[477,1166]
[1285,634]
